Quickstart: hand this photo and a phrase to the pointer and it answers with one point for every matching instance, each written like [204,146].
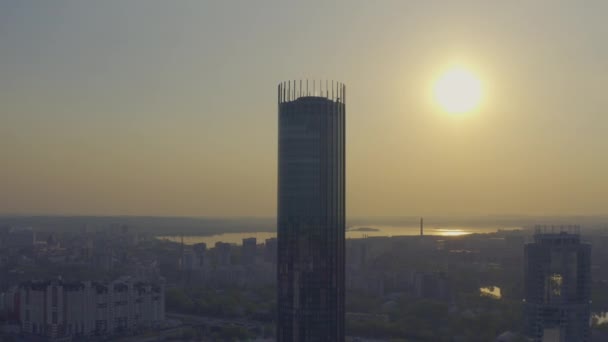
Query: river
[355,232]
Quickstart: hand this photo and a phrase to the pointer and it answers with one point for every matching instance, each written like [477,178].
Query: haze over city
[169,108]
[276,171]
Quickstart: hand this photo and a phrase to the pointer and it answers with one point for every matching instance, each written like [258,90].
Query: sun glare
[458,91]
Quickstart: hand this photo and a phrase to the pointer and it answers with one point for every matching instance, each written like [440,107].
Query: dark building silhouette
[249,251]
[223,253]
[311,211]
[431,285]
[200,251]
[557,280]
[270,250]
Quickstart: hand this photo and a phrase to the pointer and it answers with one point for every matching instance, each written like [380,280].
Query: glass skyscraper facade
[311,211]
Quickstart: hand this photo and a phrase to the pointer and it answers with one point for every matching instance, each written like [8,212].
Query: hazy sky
[169,107]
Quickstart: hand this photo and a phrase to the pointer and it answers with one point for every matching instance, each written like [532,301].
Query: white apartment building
[58,309]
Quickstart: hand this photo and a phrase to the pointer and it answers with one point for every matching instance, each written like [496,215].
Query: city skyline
[187,171]
[128,109]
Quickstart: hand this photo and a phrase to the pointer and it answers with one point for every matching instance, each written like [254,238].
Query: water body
[600,317]
[491,291]
[354,232]
[210,240]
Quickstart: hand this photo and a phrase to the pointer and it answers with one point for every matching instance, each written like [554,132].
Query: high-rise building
[557,281]
[249,251]
[311,211]
[270,250]
[200,250]
[60,310]
[188,260]
[222,253]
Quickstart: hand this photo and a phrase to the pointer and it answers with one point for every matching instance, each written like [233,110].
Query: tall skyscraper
[557,280]
[311,211]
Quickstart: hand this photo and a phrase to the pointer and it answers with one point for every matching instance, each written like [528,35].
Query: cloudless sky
[169,107]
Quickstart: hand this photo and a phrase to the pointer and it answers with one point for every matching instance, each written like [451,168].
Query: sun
[458,91]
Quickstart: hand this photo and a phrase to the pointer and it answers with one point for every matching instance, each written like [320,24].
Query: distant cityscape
[303,171]
[138,284]
[314,280]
